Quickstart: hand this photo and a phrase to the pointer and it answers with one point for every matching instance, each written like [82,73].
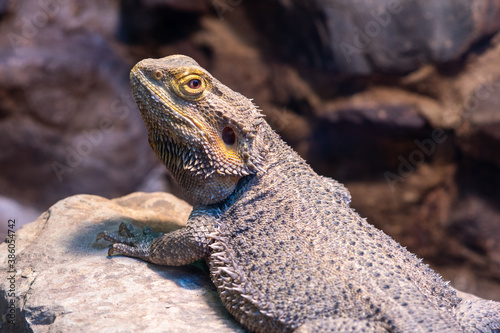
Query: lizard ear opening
[228,136]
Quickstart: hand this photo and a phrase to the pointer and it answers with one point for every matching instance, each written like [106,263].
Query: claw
[126,228]
[119,248]
[100,236]
[132,243]
[124,249]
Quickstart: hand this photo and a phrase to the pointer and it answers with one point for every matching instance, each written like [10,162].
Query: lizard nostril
[228,136]
[158,75]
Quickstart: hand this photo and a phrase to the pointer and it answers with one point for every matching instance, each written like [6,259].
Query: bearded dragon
[285,250]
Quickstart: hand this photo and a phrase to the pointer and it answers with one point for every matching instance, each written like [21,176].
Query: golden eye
[158,75]
[191,86]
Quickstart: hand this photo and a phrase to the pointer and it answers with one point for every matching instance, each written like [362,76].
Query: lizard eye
[191,86]
[158,75]
[194,84]
[228,136]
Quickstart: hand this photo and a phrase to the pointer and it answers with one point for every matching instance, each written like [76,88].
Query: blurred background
[398,99]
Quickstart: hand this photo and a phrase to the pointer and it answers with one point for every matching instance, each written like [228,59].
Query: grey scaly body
[285,250]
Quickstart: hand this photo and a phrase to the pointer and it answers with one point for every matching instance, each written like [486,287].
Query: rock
[4,5]
[373,121]
[480,118]
[12,210]
[65,281]
[476,236]
[365,37]
[151,21]
[65,103]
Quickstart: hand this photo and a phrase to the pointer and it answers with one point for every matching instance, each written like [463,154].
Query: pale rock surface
[66,283]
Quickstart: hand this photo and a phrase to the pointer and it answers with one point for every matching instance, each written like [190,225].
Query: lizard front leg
[176,248]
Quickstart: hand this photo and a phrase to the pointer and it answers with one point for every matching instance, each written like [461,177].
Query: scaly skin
[285,250]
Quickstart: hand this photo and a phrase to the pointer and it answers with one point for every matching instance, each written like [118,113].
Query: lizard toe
[140,251]
[115,238]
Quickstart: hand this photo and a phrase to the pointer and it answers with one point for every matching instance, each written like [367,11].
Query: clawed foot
[130,242]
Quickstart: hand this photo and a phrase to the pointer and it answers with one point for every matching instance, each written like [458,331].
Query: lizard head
[206,134]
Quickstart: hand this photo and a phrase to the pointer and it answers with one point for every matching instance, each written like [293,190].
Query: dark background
[399,100]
